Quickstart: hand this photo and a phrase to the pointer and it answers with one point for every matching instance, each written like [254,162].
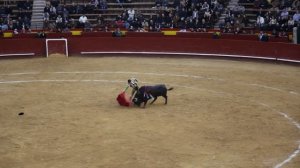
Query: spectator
[141,29]
[284,14]
[94,3]
[158,3]
[65,13]
[88,26]
[205,6]
[204,25]
[237,27]
[120,23]
[195,14]
[131,14]
[41,34]
[82,21]
[100,21]
[263,37]
[176,4]
[296,5]
[59,10]
[20,6]
[275,3]
[71,23]
[53,12]
[16,31]
[182,14]
[139,15]
[54,2]
[291,24]
[165,3]
[273,24]
[238,9]
[3,26]
[72,9]
[207,14]
[79,9]
[16,25]
[296,17]
[46,20]
[145,25]
[214,4]
[117,33]
[120,2]
[103,4]
[168,20]
[106,29]
[26,22]
[27,5]
[87,8]
[59,23]
[260,22]
[47,9]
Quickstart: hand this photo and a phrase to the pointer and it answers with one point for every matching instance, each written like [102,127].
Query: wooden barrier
[159,43]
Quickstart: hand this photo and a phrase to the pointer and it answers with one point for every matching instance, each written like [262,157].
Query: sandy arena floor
[221,114]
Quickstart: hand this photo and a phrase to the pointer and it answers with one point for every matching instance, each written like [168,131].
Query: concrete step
[37,19]
[37,24]
[39,7]
[39,10]
[39,3]
[38,14]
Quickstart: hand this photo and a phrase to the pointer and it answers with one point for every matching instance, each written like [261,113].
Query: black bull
[145,93]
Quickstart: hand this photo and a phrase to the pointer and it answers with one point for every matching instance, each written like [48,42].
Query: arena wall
[158,43]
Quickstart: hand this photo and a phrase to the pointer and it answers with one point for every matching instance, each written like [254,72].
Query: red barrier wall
[158,44]
[248,37]
[23,45]
[189,45]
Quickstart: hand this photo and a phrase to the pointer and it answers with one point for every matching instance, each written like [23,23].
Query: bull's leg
[166,98]
[153,100]
[145,103]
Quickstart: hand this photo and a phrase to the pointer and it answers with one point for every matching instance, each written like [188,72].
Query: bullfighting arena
[221,113]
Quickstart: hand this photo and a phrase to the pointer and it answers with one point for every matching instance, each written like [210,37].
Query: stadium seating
[107,15]
[15,15]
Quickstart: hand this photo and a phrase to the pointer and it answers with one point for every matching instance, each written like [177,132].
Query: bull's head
[138,99]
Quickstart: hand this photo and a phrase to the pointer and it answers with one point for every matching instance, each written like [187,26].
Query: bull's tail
[171,88]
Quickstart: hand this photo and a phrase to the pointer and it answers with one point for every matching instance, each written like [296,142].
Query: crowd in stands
[60,14]
[235,20]
[186,15]
[18,20]
[276,16]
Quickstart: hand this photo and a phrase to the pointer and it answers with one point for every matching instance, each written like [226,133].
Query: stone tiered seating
[260,7]
[145,7]
[15,12]
[113,10]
